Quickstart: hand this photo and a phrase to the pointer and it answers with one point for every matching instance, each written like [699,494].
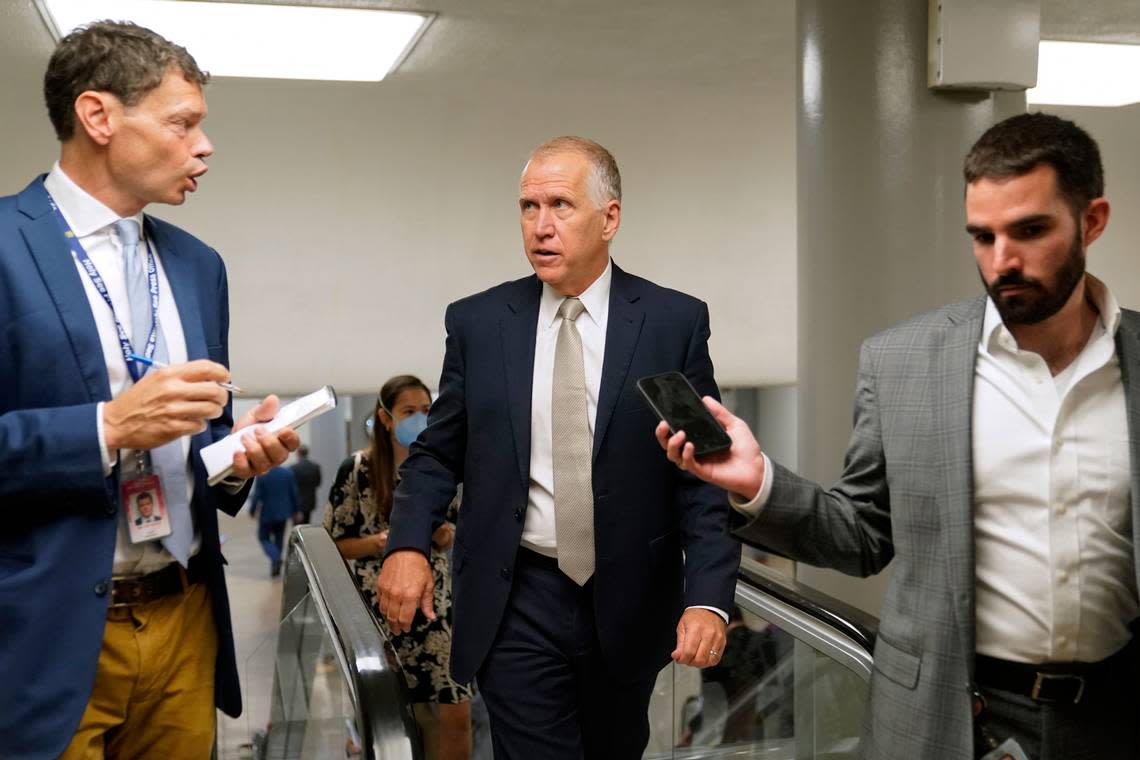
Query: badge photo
[145,508]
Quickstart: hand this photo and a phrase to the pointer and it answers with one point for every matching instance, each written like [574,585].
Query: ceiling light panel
[270,41]
[1086,74]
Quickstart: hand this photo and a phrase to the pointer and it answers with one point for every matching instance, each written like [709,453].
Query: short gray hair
[603,182]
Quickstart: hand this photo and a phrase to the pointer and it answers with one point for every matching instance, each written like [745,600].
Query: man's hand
[405,584]
[739,470]
[263,450]
[444,536]
[700,638]
[168,403]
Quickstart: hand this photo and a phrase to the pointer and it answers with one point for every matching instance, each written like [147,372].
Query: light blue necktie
[167,460]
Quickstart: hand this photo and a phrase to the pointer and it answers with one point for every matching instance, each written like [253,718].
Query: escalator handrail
[384,716]
[859,626]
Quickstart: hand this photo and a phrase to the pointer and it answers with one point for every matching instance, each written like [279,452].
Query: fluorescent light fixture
[271,41]
[1086,74]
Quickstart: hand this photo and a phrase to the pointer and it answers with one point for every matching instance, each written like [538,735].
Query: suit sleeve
[848,526]
[226,500]
[53,451]
[433,470]
[712,555]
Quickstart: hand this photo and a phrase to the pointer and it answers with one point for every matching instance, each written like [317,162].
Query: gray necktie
[573,446]
[167,460]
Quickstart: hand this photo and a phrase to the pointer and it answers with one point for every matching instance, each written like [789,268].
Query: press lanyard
[133,366]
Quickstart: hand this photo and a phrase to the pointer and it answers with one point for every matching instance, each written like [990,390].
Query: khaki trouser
[154,686]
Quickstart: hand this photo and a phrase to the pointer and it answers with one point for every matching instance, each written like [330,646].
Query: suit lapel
[953,415]
[180,275]
[517,330]
[53,258]
[1128,349]
[622,332]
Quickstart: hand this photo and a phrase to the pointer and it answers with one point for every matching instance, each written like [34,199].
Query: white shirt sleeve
[717,610]
[109,458]
[752,508]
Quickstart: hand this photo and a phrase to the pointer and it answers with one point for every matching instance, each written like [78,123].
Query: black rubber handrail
[860,626]
[384,716]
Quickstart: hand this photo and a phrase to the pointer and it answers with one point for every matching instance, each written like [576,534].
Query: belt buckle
[130,592]
[1043,679]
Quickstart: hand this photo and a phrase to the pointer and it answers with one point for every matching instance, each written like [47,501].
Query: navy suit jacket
[646,511]
[58,512]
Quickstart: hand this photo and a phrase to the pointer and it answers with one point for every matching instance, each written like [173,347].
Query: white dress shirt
[93,225]
[539,533]
[1052,513]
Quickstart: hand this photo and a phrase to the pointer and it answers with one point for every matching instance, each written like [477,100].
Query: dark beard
[1038,303]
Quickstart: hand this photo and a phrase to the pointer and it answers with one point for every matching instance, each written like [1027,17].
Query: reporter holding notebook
[114,643]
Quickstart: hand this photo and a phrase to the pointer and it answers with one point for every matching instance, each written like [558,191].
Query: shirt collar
[994,331]
[84,213]
[595,298]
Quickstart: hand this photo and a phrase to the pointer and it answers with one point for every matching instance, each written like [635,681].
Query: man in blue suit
[582,558]
[275,499]
[113,647]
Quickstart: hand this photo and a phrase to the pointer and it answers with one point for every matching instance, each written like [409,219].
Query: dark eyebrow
[1032,219]
[974,229]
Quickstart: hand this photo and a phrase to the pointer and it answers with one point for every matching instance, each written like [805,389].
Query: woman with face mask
[360,503]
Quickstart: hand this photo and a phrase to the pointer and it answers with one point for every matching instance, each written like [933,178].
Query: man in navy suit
[582,558]
[275,499]
[109,647]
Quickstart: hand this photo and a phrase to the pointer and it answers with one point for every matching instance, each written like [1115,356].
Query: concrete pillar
[879,211]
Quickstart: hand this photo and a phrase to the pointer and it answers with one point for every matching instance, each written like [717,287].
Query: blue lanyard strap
[136,369]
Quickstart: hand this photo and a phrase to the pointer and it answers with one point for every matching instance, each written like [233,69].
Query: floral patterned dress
[425,651]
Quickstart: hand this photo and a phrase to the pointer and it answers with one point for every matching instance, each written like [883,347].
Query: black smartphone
[675,400]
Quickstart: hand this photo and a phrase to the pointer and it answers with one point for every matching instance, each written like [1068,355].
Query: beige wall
[349,215]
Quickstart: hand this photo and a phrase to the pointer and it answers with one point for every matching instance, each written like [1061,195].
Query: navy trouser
[547,689]
[272,538]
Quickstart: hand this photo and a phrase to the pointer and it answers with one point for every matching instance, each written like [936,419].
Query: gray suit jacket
[905,493]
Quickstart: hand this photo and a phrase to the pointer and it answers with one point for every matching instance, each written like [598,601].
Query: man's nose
[544,223]
[203,148]
[1007,255]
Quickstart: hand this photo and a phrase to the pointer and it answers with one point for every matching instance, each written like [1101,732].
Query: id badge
[144,504]
[1007,750]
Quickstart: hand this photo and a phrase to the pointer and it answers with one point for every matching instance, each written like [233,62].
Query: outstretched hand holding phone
[739,469]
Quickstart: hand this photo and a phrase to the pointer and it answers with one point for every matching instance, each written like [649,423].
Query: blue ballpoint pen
[154,363]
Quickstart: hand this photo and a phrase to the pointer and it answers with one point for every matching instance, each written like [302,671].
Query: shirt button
[101,588]
[1063,576]
[1061,508]
[506,573]
[1056,444]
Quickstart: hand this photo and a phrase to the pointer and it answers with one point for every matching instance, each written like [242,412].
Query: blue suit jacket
[646,511]
[57,511]
[276,496]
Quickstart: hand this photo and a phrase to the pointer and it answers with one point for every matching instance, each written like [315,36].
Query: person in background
[307,473]
[275,500]
[360,503]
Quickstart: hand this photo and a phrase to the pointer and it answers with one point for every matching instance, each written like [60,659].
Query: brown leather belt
[1064,683]
[129,590]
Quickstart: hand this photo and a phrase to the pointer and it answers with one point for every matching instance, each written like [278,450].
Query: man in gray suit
[996,458]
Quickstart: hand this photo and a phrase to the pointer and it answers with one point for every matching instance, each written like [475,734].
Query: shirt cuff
[233,483]
[109,459]
[717,610]
[752,508]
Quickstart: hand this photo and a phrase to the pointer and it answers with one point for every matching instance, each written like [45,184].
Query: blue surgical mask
[409,428]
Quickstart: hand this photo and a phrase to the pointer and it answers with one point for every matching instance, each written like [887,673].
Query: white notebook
[219,456]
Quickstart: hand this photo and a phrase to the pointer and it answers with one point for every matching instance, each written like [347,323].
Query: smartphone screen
[675,400]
